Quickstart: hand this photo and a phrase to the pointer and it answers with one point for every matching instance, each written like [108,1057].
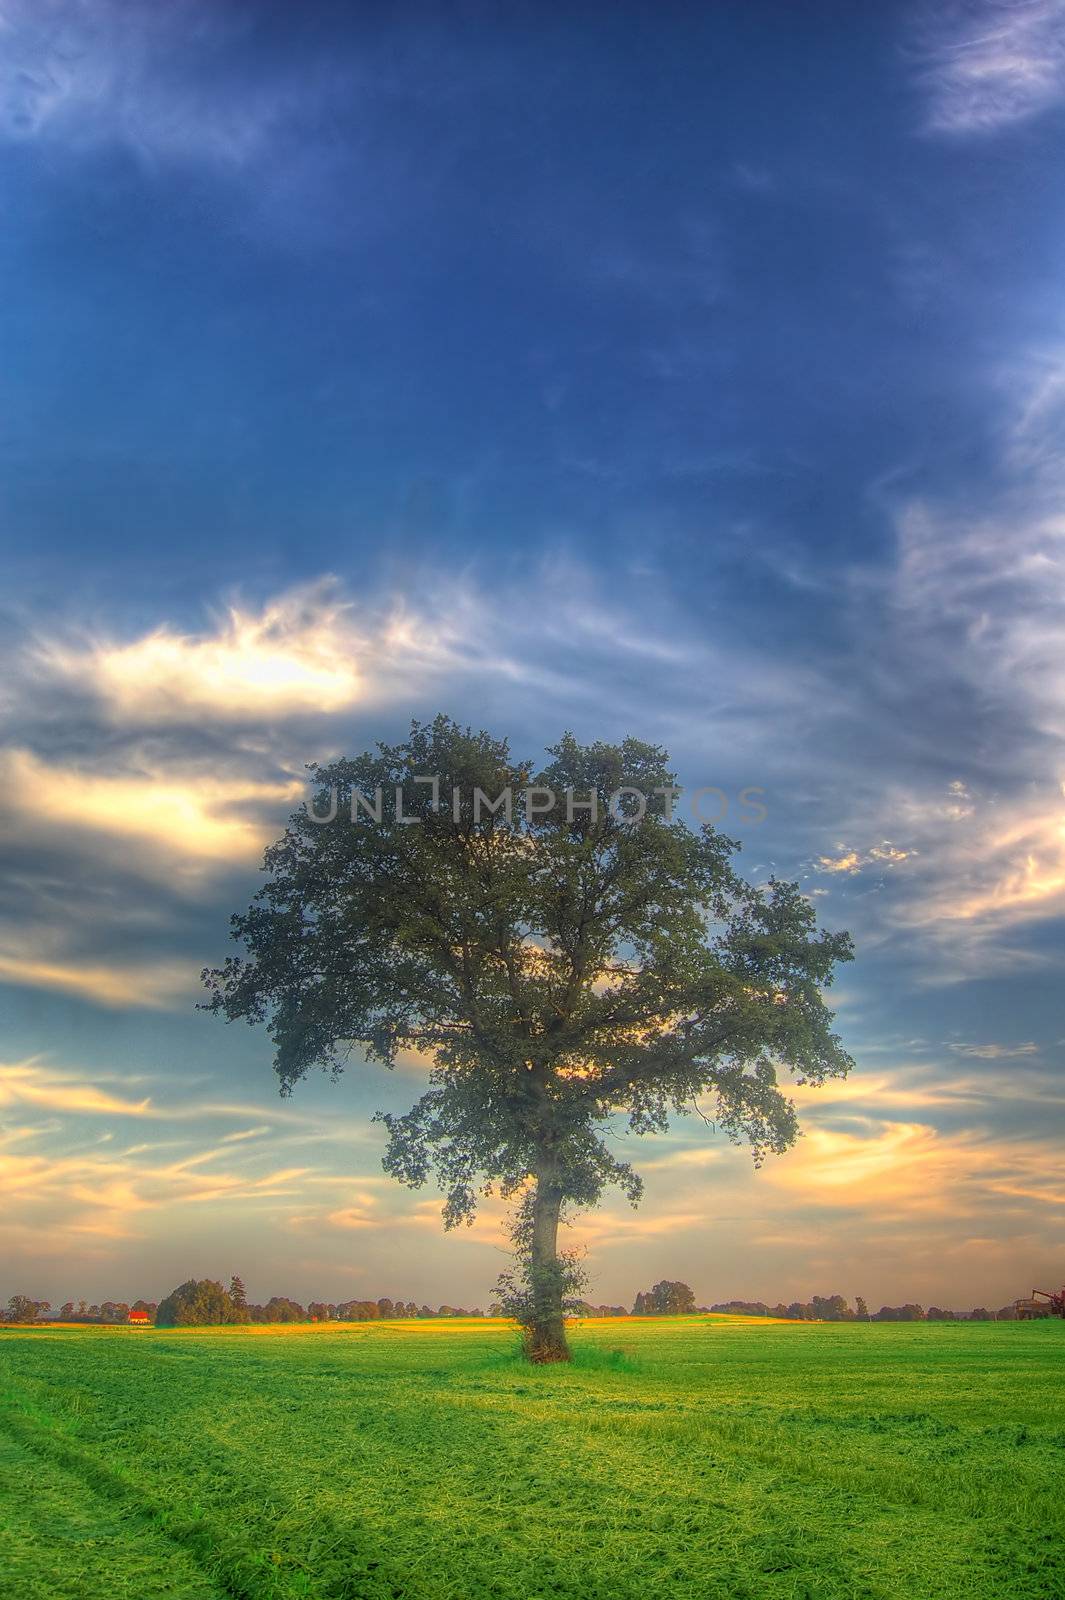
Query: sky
[695,373]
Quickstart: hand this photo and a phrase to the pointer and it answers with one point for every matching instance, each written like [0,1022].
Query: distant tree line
[204,1302]
[670,1298]
[835,1308]
[820,1308]
[20,1308]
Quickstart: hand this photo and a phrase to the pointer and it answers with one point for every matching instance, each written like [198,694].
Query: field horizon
[506,1324]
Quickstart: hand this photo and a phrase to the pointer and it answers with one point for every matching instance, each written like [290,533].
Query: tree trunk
[545,1339]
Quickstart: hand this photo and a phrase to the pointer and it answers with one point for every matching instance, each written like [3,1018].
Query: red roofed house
[139,1319]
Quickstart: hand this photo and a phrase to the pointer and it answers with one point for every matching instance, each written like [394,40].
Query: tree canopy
[558,946]
[197,1304]
[667,1299]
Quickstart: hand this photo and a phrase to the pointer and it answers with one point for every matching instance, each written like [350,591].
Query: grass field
[688,1457]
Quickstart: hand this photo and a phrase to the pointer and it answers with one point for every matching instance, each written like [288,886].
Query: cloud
[187,743]
[352,1217]
[913,1167]
[862,1169]
[314,652]
[995,1052]
[153,985]
[958,656]
[65,1178]
[41,1083]
[991,64]
[191,738]
[161,81]
[95,1193]
[191,815]
[980,872]
[888,1207]
[852,861]
[296,655]
[30,1083]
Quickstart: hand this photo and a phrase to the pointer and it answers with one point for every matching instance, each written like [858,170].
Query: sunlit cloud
[598,1227]
[93,1190]
[896,1168]
[198,817]
[296,654]
[193,769]
[152,985]
[995,1052]
[39,1082]
[852,861]
[352,1217]
[991,872]
[32,1084]
[862,1169]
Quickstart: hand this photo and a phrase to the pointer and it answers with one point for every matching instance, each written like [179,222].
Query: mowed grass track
[688,1457]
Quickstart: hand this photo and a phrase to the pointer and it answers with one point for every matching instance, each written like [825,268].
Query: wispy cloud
[161,81]
[966,622]
[31,1083]
[914,1167]
[992,63]
[995,1052]
[150,984]
[62,1170]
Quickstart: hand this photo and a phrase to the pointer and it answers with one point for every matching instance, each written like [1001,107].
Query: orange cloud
[154,986]
[194,816]
[29,1083]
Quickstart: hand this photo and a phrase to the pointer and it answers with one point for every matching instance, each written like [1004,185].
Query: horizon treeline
[677,1299]
[835,1308]
[204,1302]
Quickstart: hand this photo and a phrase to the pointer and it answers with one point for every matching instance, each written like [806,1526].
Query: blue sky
[697,373]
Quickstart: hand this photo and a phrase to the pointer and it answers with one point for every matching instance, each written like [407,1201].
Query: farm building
[139,1319]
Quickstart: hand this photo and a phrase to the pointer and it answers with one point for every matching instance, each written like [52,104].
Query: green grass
[693,1457]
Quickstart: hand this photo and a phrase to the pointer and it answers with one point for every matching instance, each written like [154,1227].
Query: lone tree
[196,1304]
[666,1299]
[559,947]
